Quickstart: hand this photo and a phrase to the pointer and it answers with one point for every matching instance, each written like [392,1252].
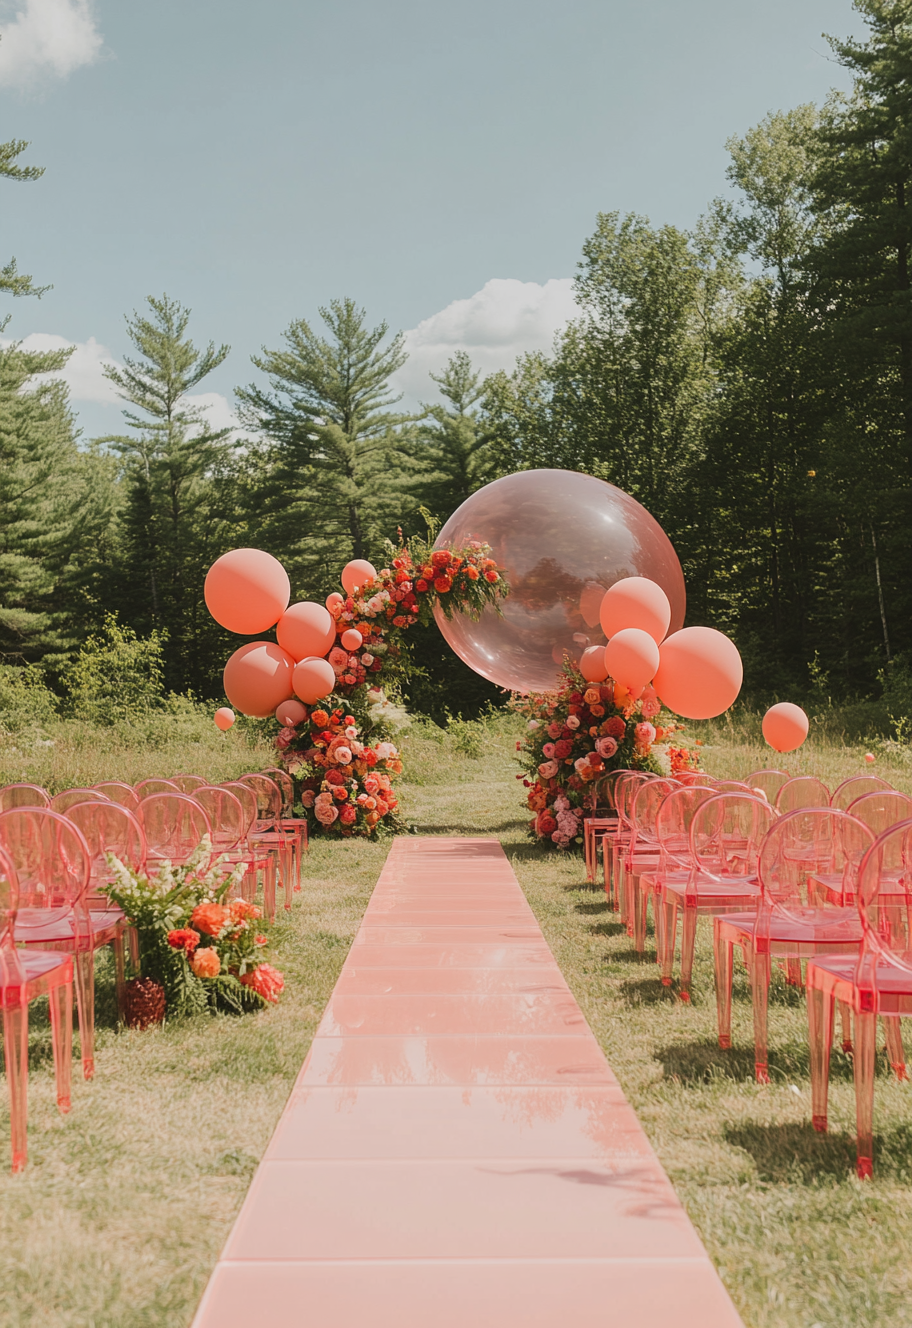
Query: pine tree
[457,454]
[12,281]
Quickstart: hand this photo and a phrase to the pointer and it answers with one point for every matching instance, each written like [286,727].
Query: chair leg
[15,1050]
[269,889]
[722,965]
[117,945]
[793,973]
[638,909]
[845,1015]
[669,907]
[895,1046]
[760,980]
[60,1000]
[688,945]
[820,1039]
[84,968]
[865,1050]
[658,917]
[134,949]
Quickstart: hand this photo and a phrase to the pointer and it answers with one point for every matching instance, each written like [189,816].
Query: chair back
[647,800]
[115,791]
[885,903]
[23,795]
[605,788]
[881,809]
[770,781]
[189,783]
[226,814]
[732,786]
[803,791]
[625,790]
[286,784]
[268,796]
[9,903]
[52,864]
[174,825]
[62,802]
[803,844]
[248,800]
[107,827]
[851,789]
[672,825]
[726,833]
[147,786]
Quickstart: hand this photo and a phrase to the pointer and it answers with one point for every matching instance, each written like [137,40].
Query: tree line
[748,380]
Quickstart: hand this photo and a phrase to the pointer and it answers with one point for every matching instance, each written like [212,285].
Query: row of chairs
[54,910]
[788,873]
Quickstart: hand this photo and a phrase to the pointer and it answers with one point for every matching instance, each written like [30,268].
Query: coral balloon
[632,657]
[699,674]
[257,678]
[352,640]
[306,629]
[592,664]
[224,718]
[563,540]
[785,726]
[635,602]
[334,601]
[355,573]
[290,713]
[247,591]
[313,679]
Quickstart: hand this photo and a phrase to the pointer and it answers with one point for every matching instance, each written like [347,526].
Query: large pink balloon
[290,713]
[592,664]
[785,726]
[632,657]
[560,536]
[257,677]
[355,573]
[635,602]
[306,629]
[313,679]
[247,591]
[699,674]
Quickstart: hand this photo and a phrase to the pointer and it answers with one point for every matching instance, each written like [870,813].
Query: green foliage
[12,281]
[26,702]
[117,676]
[457,457]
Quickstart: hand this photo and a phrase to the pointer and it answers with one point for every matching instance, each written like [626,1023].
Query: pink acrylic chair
[768,781]
[147,786]
[189,783]
[52,862]
[291,824]
[803,791]
[601,822]
[268,833]
[107,827]
[878,982]
[174,826]
[260,861]
[115,791]
[791,922]
[853,788]
[24,976]
[642,856]
[61,802]
[625,790]
[878,810]
[726,831]
[23,795]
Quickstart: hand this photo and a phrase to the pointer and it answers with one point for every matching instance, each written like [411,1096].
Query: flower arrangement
[346,785]
[204,950]
[575,735]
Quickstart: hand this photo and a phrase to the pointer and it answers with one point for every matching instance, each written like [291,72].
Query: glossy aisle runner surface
[456,1152]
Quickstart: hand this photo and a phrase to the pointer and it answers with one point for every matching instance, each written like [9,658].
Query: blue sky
[441,163]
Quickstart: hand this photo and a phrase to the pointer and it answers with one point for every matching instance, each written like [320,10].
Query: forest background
[749,382]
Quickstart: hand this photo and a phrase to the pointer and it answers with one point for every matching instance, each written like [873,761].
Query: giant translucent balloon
[564,539]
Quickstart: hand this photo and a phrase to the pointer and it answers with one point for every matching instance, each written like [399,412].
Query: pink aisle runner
[456,1152]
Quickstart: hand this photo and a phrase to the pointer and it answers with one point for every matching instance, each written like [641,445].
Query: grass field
[126,1203]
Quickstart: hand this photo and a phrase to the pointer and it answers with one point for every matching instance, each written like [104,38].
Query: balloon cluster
[248,591]
[696,672]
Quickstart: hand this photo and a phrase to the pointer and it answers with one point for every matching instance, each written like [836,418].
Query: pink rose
[572,722]
[307,798]
[371,784]
[548,769]
[644,735]
[343,755]
[581,764]
[554,730]
[326,815]
[532,725]
[339,660]
[606,748]
[548,750]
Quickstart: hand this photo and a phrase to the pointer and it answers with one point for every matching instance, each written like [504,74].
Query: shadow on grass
[700,1061]
[647,991]
[632,956]
[594,908]
[796,1154]
[607,929]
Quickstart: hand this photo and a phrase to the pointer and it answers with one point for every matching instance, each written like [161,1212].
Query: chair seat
[836,975]
[31,930]
[810,929]
[36,968]
[710,890]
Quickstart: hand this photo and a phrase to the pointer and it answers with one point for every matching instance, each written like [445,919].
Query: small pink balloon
[785,726]
[257,678]
[631,658]
[869,757]
[700,672]
[355,573]
[592,664]
[313,679]
[306,629]
[334,602]
[635,601]
[224,718]
[290,714]
[352,640]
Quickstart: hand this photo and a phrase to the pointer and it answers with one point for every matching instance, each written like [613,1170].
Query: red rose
[546,824]
[615,727]
[440,558]
[347,814]
[335,777]
[562,749]
[492,577]
[265,980]
[183,938]
[442,584]
[421,586]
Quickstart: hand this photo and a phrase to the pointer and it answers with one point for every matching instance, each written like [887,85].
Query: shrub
[25,701]
[117,676]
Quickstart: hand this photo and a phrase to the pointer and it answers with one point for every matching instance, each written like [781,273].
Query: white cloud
[506,318]
[48,37]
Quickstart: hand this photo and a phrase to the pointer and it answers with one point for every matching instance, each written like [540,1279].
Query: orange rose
[209,918]
[206,963]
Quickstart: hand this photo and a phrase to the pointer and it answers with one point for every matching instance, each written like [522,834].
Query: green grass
[126,1202]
